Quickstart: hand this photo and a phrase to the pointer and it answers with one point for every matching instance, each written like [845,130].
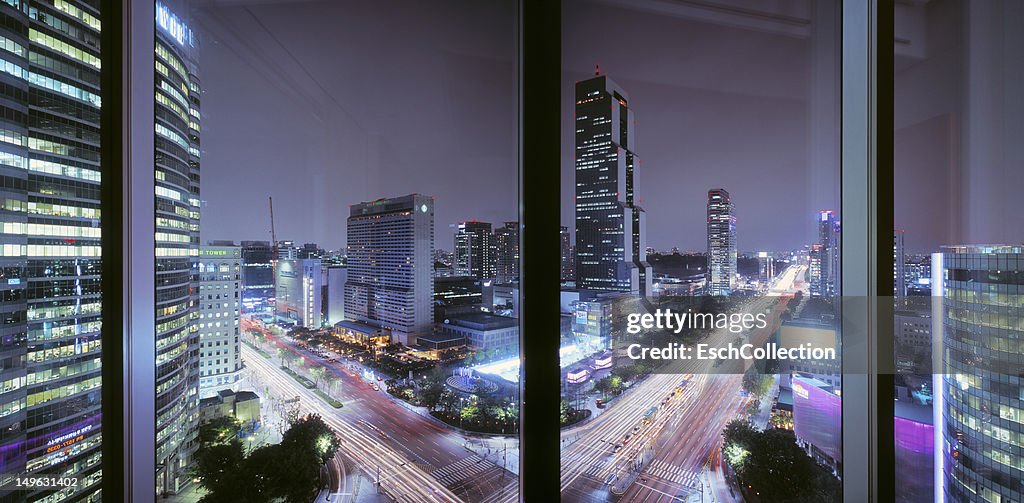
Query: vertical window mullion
[540,133]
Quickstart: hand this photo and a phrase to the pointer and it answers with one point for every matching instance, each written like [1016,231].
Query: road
[419,442]
[677,455]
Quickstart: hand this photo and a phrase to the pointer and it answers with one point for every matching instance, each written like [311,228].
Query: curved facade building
[177,246]
[50,246]
[982,398]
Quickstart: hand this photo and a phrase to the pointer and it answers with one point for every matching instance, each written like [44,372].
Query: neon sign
[174,26]
[800,391]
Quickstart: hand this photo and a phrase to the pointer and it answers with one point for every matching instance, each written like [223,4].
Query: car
[600,404]
[625,439]
[636,428]
[376,388]
[617,448]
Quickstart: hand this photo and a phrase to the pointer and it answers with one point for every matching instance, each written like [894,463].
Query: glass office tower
[50,261]
[177,247]
[981,385]
[721,271]
[474,250]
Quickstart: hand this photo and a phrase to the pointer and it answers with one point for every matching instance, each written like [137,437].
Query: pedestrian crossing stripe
[672,473]
[461,470]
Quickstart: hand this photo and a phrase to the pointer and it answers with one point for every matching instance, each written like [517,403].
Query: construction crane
[273,253]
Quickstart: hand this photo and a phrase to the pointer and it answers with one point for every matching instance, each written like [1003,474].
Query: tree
[775,466]
[330,381]
[429,394]
[216,468]
[219,431]
[285,356]
[756,383]
[318,374]
[289,471]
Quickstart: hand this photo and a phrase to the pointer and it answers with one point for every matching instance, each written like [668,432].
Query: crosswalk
[597,468]
[671,473]
[461,470]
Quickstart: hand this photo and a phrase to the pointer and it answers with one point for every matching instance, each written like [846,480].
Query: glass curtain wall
[958,135]
[701,238]
[50,266]
[337,250]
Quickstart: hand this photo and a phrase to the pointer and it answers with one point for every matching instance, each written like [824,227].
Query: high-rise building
[979,387]
[390,267]
[568,257]
[474,250]
[610,225]
[50,242]
[300,292]
[257,275]
[814,258]
[311,250]
[506,252]
[220,288]
[721,271]
[177,248]
[765,267]
[333,303]
[899,264]
[827,284]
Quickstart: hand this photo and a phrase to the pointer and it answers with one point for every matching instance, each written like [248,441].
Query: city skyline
[359,148]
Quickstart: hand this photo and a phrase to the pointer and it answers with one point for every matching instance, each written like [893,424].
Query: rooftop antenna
[597,69]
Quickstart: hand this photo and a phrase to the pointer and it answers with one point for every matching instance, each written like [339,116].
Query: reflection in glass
[958,142]
[343,319]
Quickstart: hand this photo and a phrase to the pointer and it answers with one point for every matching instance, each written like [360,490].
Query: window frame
[866,202]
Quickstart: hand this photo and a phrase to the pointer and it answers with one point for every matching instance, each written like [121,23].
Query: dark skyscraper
[50,251]
[506,252]
[474,250]
[826,284]
[177,249]
[721,272]
[257,275]
[568,257]
[610,240]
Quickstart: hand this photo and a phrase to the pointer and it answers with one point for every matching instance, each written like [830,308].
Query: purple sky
[326,104]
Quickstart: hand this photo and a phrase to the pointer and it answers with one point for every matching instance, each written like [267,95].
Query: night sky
[326,104]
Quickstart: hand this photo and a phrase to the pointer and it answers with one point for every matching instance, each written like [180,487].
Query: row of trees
[319,374]
[288,471]
[775,467]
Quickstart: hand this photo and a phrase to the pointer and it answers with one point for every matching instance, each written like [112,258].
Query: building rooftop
[482,321]
[985,249]
[913,411]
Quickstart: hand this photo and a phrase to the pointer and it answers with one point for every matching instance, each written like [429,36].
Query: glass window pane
[337,250]
[50,267]
[700,251]
[958,135]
